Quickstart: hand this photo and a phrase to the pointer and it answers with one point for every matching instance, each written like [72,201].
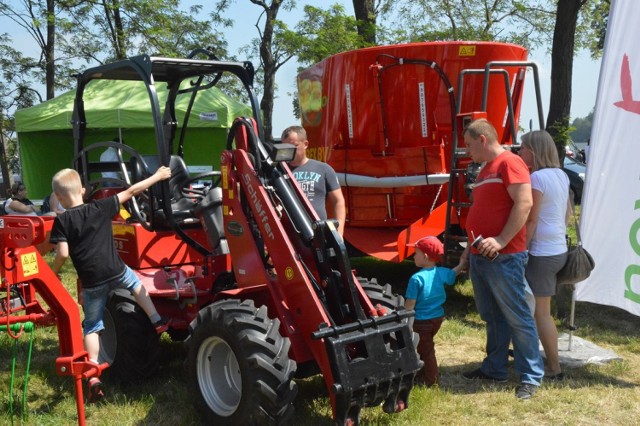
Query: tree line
[69,35]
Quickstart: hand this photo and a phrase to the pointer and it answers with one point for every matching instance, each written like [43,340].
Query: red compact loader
[237,262]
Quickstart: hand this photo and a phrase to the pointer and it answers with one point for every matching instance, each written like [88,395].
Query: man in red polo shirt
[502,199]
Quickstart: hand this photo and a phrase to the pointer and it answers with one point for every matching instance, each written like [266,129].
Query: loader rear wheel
[128,343]
[238,365]
[382,295]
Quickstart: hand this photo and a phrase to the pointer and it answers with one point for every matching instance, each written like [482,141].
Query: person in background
[317,179]
[426,296]
[55,205]
[501,203]
[18,203]
[546,230]
[84,233]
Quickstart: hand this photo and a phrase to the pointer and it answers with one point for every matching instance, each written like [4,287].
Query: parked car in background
[574,151]
[576,172]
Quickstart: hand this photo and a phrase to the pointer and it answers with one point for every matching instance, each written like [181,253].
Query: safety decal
[225,177]
[467,50]
[347,91]
[423,110]
[288,273]
[29,264]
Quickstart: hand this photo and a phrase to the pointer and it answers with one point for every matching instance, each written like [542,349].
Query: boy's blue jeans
[499,290]
[94,300]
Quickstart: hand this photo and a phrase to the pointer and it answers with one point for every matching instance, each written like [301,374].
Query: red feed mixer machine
[388,119]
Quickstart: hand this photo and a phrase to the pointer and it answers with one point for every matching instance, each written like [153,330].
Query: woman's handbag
[579,262]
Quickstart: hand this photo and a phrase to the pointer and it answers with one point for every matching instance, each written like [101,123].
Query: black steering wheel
[139,205]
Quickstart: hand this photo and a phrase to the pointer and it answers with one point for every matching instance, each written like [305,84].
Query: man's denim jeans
[499,290]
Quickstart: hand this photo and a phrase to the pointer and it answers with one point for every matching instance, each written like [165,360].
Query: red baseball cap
[431,246]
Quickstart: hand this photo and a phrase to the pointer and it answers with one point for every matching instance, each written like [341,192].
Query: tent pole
[572,316]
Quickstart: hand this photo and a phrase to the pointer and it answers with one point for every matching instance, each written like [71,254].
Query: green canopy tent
[118,109]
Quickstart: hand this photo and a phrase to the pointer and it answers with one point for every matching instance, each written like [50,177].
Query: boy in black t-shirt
[84,233]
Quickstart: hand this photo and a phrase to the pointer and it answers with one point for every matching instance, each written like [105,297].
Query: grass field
[591,395]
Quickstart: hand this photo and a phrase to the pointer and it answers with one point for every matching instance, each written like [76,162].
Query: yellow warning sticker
[29,263]
[225,180]
[467,50]
[288,273]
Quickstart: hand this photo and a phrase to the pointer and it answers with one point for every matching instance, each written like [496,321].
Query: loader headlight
[283,152]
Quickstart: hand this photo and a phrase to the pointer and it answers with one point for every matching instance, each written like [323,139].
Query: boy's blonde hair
[66,182]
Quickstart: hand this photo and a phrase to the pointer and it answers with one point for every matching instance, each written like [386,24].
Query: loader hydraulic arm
[366,354]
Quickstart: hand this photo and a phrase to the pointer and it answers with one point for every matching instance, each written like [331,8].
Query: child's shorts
[94,299]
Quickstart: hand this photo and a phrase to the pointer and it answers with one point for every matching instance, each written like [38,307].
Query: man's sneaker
[525,390]
[96,393]
[160,326]
[478,374]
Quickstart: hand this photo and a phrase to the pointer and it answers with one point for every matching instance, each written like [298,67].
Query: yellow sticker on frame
[467,50]
[29,263]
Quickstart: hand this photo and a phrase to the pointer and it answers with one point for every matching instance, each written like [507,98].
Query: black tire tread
[262,353]
[138,349]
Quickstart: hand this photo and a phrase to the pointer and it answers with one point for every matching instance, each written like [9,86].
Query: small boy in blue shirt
[426,295]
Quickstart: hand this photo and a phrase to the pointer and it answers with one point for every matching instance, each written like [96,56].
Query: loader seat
[209,211]
[181,207]
[180,178]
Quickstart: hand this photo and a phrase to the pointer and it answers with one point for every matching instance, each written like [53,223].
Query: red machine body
[26,275]
[384,118]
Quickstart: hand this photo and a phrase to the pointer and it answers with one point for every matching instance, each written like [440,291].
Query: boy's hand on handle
[163,172]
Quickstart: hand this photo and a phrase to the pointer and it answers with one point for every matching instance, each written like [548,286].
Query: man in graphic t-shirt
[316,179]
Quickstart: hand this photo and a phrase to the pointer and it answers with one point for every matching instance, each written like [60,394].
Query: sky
[245,16]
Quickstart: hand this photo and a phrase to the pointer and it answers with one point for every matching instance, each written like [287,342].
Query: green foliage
[582,128]
[133,27]
[560,131]
[16,79]
[34,18]
[527,23]
[598,12]
[322,33]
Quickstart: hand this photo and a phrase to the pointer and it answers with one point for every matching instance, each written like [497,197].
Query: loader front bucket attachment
[373,361]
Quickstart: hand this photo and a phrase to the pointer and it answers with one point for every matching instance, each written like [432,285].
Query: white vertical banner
[610,221]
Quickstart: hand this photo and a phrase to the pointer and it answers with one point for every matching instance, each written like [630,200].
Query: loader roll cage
[156,203]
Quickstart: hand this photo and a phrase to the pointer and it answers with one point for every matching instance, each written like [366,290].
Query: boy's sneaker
[160,326]
[525,390]
[478,374]
[96,393]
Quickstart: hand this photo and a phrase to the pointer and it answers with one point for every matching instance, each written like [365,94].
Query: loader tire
[382,295]
[129,342]
[238,366]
